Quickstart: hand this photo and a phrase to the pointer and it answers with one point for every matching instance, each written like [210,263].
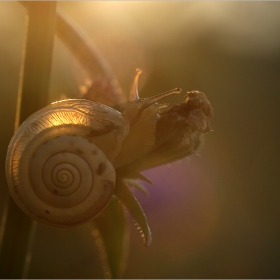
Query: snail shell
[59,162]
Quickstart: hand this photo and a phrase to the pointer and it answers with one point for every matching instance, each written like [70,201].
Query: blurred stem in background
[18,230]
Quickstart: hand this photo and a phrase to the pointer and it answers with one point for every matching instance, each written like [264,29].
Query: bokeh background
[215,214]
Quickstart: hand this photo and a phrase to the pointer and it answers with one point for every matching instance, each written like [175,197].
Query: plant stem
[19,230]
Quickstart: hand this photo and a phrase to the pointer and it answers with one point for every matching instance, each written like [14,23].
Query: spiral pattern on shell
[72,175]
[55,171]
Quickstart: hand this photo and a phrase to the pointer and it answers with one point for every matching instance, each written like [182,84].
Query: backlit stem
[17,232]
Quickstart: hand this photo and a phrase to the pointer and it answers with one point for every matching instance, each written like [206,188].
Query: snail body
[61,162]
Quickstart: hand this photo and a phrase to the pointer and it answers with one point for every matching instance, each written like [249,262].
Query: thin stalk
[19,230]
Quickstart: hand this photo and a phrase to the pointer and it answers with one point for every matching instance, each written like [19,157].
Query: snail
[61,162]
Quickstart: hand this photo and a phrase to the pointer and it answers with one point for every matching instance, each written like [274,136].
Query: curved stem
[87,53]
